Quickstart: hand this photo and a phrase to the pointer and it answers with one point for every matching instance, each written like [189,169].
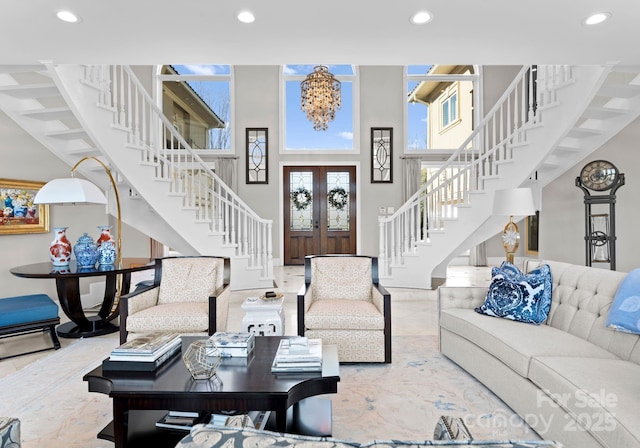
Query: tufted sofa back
[580,303]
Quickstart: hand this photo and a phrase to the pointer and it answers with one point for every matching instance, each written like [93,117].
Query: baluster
[268,263]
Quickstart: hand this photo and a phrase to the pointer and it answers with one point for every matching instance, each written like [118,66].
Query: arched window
[299,135]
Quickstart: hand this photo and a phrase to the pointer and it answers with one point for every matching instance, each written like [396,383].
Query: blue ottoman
[29,314]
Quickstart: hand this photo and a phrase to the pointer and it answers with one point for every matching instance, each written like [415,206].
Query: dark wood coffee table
[244,388]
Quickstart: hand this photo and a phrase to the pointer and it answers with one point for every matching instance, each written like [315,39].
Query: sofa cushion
[514,343]
[602,394]
[340,314]
[458,443]
[517,296]
[207,436]
[624,314]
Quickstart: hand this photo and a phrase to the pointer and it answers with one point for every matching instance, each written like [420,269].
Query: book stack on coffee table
[298,354]
[181,420]
[144,354]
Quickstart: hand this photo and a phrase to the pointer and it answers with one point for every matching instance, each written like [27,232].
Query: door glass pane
[338,201]
[301,204]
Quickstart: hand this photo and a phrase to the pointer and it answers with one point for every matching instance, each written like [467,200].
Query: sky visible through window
[417,114]
[216,94]
[299,130]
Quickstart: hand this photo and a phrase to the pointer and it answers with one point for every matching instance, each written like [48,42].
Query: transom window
[197,100]
[299,135]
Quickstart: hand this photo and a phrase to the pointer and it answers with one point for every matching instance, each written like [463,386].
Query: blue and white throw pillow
[518,296]
[624,314]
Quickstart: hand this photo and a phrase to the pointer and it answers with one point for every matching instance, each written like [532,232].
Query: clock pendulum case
[600,227]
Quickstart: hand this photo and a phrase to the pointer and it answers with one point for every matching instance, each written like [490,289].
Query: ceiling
[371,32]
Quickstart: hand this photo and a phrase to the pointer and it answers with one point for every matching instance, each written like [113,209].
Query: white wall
[382,99]
[562,218]
[21,157]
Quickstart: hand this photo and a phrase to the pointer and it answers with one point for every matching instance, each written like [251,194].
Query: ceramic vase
[107,253]
[105,235]
[86,252]
[60,247]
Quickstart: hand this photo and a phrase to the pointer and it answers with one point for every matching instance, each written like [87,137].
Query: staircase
[529,138]
[166,190]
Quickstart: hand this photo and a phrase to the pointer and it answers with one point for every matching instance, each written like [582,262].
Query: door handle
[315,224]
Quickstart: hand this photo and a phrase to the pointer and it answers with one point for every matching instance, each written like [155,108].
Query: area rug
[402,400]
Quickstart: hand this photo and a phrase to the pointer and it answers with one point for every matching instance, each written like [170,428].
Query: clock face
[599,175]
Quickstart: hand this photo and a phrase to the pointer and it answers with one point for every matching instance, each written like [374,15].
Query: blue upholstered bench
[29,314]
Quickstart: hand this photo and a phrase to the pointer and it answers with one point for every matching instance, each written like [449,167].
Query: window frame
[475,78]
[355,119]
[160,78]
[453,112]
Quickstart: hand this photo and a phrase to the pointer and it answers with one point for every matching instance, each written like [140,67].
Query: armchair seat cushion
[182,317]
[342,314]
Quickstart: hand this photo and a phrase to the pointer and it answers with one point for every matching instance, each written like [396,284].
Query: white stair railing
[490,144]
[177,163]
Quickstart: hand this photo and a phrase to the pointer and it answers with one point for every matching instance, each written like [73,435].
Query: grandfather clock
[597,177]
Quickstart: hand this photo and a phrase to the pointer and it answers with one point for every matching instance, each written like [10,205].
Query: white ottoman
[263,318]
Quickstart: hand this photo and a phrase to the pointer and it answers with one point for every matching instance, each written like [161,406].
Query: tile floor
[413,311]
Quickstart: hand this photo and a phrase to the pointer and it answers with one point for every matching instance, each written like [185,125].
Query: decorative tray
[271,299]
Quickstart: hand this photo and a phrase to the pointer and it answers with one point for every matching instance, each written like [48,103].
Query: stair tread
[25,91]
[49,114]
[69,134]
[603,113]
[620,90]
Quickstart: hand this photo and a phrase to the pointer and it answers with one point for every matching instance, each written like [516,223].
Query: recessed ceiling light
[594,19]
[67,16]
[421,17]
[246,17]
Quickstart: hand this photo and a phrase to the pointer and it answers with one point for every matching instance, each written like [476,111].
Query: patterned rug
[404,400]
[400,401]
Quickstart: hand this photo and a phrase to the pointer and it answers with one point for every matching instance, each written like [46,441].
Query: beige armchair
[189,295]
[342,303]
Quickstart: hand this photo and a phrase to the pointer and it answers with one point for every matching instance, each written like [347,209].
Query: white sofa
[572,379]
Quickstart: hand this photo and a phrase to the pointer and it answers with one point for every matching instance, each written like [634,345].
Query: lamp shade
[513,202]
[70,191]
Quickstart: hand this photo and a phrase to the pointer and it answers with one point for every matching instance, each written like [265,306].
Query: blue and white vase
[107,253]
[105,235]
[86,251]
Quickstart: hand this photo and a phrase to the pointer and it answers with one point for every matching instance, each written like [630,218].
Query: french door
[319,211]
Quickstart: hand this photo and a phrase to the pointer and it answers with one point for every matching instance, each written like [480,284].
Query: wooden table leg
[120,423]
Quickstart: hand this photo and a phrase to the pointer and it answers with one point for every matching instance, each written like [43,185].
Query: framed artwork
[531,233]
[381,155]
[18,213]
[257,156]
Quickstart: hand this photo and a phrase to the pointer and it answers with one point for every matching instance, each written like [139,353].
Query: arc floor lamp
[72,190]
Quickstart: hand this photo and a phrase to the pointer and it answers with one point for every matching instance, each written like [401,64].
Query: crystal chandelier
[320,97]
